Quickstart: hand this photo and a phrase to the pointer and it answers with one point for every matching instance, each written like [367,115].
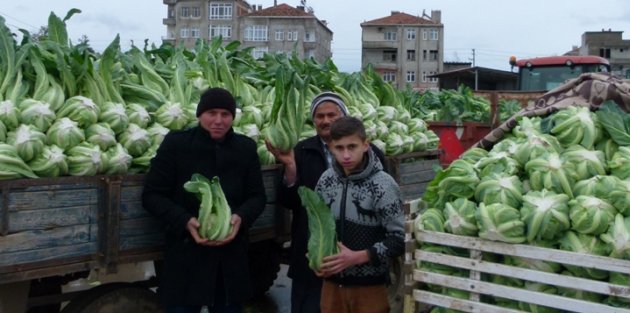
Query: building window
[310,53]
[389,76]
[194,32]
[224,31]
[389,55]
[259,52]
[433,79]
[390,36]
[425,35]
[292,36]
[433,55]
[434,34]
[171,13]
[196,12]
[604,53]
[279,35]
[309,36]
[424,76]
[411,34]
[220,11]
[411,55]
[256,33]
[411,76]
[184,12]
[183,33]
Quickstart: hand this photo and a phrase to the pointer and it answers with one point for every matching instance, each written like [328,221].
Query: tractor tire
[264,265]
[116,298]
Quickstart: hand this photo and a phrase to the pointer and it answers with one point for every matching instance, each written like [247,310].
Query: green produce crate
[483,292]
[413,172]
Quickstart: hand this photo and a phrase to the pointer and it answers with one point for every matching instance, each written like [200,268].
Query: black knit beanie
[216,98]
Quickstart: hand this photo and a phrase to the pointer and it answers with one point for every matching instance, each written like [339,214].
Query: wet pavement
[277,299]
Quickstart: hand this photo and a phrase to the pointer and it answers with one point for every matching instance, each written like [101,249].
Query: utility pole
[476,72]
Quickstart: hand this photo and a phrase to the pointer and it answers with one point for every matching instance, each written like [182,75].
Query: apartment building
[608,44]
[405,49]
[289,28]
[277,29]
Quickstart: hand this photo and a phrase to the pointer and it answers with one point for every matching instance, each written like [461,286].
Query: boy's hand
[346,258]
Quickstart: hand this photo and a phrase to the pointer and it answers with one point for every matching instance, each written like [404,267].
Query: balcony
[171,40]
[380,44]
[384,65]
[169,1]
[168,21]
[310,44]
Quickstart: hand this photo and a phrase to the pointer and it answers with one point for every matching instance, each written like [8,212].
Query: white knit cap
[328,97]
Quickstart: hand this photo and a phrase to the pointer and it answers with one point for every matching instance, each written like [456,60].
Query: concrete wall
[594,42]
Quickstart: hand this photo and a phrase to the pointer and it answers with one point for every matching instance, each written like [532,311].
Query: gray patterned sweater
[368,213]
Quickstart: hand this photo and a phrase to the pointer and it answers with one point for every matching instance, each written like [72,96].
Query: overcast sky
[496,29]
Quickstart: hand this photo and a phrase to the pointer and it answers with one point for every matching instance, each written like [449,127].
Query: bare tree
[41,34]
[84,40]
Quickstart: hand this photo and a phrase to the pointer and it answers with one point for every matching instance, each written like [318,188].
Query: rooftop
[400,18]
[470,72]
[281,10]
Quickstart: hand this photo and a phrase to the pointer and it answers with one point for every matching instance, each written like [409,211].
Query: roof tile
[400,18]
[282,9]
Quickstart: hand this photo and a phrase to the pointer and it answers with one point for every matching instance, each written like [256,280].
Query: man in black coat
[303,166]
[199,271]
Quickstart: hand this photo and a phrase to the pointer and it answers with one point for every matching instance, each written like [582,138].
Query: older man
[199,271]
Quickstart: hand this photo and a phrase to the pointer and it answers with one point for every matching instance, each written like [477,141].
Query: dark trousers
[305,296]
[219,302]
[184,309]
[231,308]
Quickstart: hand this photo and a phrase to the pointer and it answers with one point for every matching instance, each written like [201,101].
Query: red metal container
[455,138]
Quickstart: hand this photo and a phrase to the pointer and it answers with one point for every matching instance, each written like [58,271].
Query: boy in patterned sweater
[369,218]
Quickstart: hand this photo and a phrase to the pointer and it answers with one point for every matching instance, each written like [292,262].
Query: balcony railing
[310,44]
[379,44]
[385,65]
[166,39]
[168,21]
[169,1]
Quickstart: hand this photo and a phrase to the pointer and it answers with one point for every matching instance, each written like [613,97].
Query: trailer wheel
[264,265]
[116,298]
[395,291]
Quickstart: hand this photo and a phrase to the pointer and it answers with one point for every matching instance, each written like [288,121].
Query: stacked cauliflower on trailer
[537,217]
